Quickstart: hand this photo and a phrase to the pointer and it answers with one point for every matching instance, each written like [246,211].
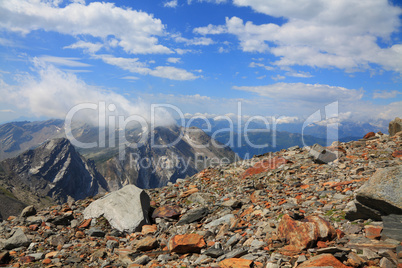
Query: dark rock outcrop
[167,154]
[55,170]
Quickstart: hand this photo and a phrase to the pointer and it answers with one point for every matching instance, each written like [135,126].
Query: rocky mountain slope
[145,166]
[292,208]
[17,137]
[156,163]
[53,172]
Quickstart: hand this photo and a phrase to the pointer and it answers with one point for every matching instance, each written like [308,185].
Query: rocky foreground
[335,207]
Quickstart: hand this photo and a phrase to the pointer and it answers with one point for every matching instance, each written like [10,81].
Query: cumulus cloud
[134,31]
[53,93]
[319,33]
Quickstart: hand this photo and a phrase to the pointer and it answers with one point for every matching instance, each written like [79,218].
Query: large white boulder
[127,209]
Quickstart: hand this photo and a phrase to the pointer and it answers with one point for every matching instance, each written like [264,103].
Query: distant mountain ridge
[17,137]
[56,170]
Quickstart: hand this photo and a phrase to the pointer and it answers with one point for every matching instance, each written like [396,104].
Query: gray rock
[383,191]
[237,253]
[37,256]
[392,226]
[232,203]
[126,209]
[369,254]
[17,239]
[223,219]
[355,210]
[395,126]
[95,232]
[193,215]
[64,219]
[385,263]
[214,252]
[28,211]
[56,240]
[144,259]
[321,155]
[111,244]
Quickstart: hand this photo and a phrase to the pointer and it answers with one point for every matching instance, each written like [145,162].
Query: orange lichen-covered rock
[187,243]
[306,233]
[236,263]
[264,166]
[323,260]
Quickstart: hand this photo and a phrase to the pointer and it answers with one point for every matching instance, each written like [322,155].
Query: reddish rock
[187,243]
[264,166]
[85,224]
[325,230]
[79,234]
[397,154]
[369,135]
[306,233]
[47,261]
[167,212]
[149,229]
[147,243]
[188,192]
[323,260]
[299,234]
[236,263]
[51,254]
[27,259]
[373,232]
[33,227]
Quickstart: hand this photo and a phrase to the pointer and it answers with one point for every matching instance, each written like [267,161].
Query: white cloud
[135,66]
[319,33]
[7,111]
[173,60]
[258,64]
[278,77]
[172,4]
[63,61]
[386,94]
[211,29]
[53,92]
[89,47]
[197,41]
[208,1]
[304,92]
[130,78]
[134,31]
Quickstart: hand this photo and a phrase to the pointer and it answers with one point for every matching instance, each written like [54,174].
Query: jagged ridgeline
[49,169]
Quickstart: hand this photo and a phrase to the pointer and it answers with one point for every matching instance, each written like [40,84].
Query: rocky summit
[335,206]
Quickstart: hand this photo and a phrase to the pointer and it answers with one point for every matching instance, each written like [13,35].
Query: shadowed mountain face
[166,154]
[17,137]
[54,171]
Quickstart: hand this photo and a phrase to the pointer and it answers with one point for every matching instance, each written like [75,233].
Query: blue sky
[283,58]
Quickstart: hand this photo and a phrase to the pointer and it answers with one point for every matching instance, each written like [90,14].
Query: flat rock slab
[126,209]
[383,191]
[392,227]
